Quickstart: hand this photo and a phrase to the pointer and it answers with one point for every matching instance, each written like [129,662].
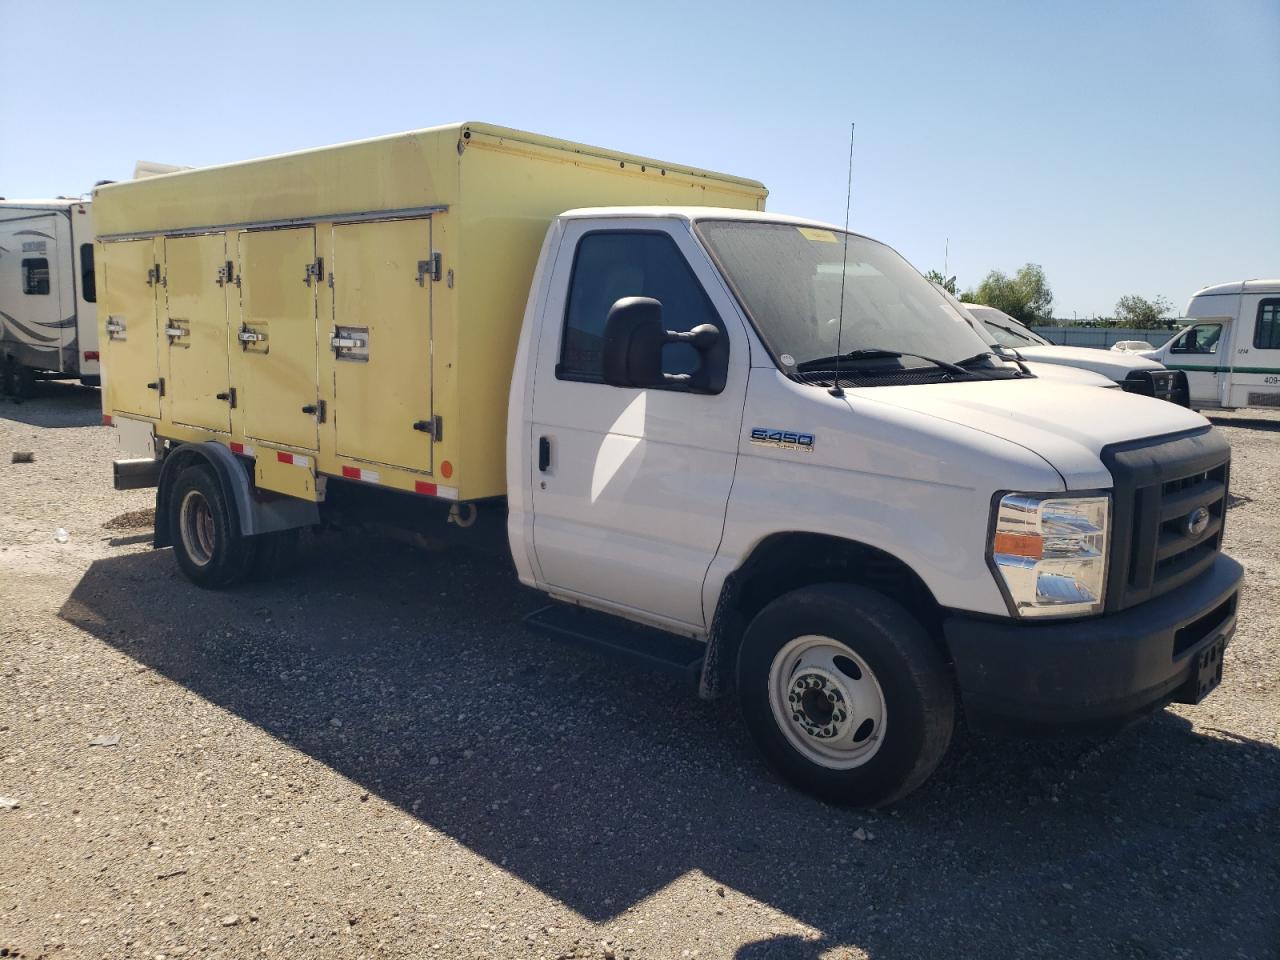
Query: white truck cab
[698,442]
[1230,349]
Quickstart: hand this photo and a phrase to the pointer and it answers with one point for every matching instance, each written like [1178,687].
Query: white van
[48,311]
[1231,348]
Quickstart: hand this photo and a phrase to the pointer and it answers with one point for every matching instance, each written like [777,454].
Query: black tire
[912,674]
[209,548]
[276,553]
[8,376]
[24,382]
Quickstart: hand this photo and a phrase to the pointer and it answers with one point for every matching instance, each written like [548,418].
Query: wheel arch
[783,562]
[254,513]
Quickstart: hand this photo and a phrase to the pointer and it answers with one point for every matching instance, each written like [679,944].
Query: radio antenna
[835,390]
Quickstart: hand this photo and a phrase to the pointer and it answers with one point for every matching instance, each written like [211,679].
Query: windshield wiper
[875,353]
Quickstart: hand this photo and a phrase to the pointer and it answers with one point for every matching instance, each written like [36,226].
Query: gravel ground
[372,758]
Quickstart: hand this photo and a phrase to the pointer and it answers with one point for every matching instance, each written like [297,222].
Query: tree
[1025,296]
[946,283]
[1135,311]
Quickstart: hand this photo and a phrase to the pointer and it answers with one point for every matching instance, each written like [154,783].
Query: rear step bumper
[136,474]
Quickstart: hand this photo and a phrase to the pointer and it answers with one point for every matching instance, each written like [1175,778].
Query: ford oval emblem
[1197,521]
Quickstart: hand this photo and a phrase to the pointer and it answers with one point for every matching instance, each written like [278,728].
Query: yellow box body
[357,305]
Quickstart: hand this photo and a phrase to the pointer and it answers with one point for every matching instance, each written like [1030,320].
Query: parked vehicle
[48,313]
[1135,374]
[847,515]
[1230,350]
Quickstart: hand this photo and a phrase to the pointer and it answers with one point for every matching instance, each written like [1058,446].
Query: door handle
[229,396]
[544,454]
[157,385]
[316,409]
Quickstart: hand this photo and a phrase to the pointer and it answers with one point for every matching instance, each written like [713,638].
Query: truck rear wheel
[845,694]
[210,550]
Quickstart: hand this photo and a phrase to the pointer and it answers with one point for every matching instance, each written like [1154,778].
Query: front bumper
[1093,674]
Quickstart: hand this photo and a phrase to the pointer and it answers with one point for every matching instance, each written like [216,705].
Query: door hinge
[429,268]
[434,428]
[154,278]
[227,274]
[229,396]
[317,410]
[314,271]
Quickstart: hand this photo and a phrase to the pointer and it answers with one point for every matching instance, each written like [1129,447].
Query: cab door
[1196,351]
[631,486]
[275,340]
[381,338]
[130,367]
[194,338]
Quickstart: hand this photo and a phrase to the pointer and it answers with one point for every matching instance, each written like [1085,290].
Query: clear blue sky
[1126,147]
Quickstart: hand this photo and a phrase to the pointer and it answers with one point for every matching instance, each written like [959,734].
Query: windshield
[788,279]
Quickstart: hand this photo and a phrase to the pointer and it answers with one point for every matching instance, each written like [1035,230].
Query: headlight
[1051,553]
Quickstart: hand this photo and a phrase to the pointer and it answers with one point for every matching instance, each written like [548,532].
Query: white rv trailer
[48,313]
[1230,347]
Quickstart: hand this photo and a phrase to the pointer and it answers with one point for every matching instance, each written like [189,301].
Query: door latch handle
[544,454]
[434,428]
[316,409]
[229,396]
[157,385]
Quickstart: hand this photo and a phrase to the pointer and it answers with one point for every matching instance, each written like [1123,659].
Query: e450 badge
[782,439]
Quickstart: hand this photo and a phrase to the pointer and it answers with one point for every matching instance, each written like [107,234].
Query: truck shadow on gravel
[600,785]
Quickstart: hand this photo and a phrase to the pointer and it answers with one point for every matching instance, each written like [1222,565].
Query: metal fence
[1101,337]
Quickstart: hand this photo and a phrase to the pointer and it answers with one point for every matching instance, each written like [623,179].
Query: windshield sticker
[818,236]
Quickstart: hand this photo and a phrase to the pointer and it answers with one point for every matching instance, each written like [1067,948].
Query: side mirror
[634,336]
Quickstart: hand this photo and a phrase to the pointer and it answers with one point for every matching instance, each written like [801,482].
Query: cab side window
[1202,338]
[610,265]
[1266,333]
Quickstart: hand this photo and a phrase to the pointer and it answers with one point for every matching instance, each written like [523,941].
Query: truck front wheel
[209,549]
[845,694]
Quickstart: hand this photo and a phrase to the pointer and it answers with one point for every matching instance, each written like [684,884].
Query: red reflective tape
[284,457]
[351,473]
[91,355]
[106,419]
[237,448]
[421,486]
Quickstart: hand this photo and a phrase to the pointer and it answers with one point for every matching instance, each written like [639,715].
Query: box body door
[130,366]
[382,332]
[194,338]
[275,341]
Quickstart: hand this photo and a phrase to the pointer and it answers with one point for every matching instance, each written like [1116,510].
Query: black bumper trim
[1096,673]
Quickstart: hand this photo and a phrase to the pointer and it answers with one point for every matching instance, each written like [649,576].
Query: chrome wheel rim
[196,524]
[827,702]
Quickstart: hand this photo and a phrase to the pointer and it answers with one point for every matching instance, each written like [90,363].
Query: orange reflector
[1019,545]
[106,419]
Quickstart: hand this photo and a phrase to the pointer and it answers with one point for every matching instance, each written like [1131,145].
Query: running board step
[644,646]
